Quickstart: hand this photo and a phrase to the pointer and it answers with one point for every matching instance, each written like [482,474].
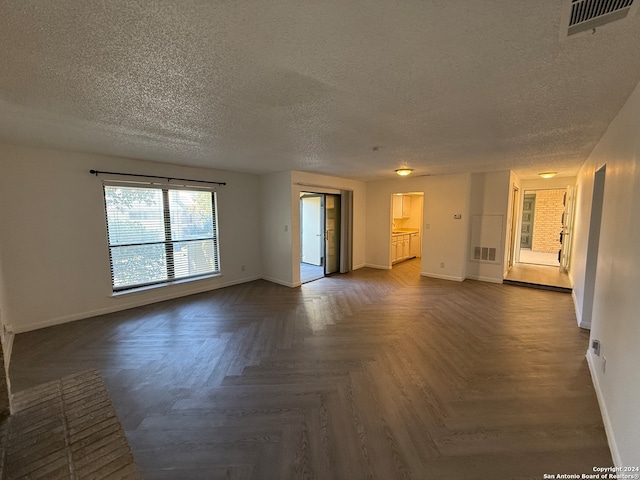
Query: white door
[567,228]
[312,235]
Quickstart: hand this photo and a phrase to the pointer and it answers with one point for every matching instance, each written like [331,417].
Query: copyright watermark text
[599,473]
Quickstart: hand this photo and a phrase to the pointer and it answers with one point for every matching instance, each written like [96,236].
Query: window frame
[168,241]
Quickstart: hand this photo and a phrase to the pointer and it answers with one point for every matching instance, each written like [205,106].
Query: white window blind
[160,234]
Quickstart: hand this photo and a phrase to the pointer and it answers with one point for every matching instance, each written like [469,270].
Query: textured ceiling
[262,86]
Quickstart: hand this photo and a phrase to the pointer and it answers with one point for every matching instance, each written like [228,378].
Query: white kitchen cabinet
[394,248]
[400,247]
[401,206]
[406,206]
[406,239]
[397,206]
[414,246]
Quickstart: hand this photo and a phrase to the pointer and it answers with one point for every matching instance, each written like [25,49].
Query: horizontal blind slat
[153,237]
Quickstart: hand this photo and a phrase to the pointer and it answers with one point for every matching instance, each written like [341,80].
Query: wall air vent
[585,15]
[487,254]
[487,232]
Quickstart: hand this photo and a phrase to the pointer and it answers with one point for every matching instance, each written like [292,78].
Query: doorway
[541,226]
[544,240]
[319,235]
[406,226]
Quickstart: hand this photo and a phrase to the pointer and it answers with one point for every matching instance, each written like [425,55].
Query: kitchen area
[406,226]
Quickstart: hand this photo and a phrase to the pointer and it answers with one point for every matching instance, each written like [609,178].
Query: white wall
[577,269]
[280,210]
[417,206]
[53,244]
[443,242]
[6,336]
[616,303]
[378,215]
[547,183]
[277,226]
[490,195]
[312,182]
[446,239]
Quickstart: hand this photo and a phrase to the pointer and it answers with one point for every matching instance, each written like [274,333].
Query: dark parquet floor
[369,375]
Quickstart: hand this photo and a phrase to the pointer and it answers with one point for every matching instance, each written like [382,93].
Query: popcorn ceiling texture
[251,86]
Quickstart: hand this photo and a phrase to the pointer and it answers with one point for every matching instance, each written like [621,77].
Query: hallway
[538,276]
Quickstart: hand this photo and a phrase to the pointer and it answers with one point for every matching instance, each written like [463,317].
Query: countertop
[404,231]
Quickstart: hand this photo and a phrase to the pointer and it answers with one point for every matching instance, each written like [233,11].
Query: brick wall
[547,221]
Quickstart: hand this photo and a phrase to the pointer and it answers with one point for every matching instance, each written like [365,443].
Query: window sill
[148,288]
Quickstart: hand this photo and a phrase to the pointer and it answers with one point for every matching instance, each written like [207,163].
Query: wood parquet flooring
[369,375]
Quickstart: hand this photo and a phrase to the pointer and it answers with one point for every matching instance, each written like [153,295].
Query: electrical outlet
[242,268]
[286,228]
[604,364]
[596,347]
[441,264]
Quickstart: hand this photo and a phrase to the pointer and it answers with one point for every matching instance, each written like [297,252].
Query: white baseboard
[576,307]
[120,304]
[442,277]
[282,282]
[7,346]
[379,267]
[480,278]
[357,267]
[608,428]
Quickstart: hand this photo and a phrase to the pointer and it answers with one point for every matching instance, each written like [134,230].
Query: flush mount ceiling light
[548,174]
[403,172]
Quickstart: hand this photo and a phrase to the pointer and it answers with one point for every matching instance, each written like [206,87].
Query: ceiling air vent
[585,15]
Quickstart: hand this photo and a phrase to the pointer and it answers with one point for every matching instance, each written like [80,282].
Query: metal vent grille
[589,14]
[484,253]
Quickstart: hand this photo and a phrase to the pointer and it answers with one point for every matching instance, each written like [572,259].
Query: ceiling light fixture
[403,172]
[548,174]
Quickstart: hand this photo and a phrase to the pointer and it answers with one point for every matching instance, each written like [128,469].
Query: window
[160,234]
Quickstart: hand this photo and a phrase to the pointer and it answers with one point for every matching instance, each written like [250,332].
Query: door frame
[515,194]
[534,189]
[330,237]
[345,240]
[414,193]
[593,244]
[568,218]
[321,227]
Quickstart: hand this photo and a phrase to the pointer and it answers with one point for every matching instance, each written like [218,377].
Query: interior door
[312,235]
[567,227]
[528,209]
[332,233]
